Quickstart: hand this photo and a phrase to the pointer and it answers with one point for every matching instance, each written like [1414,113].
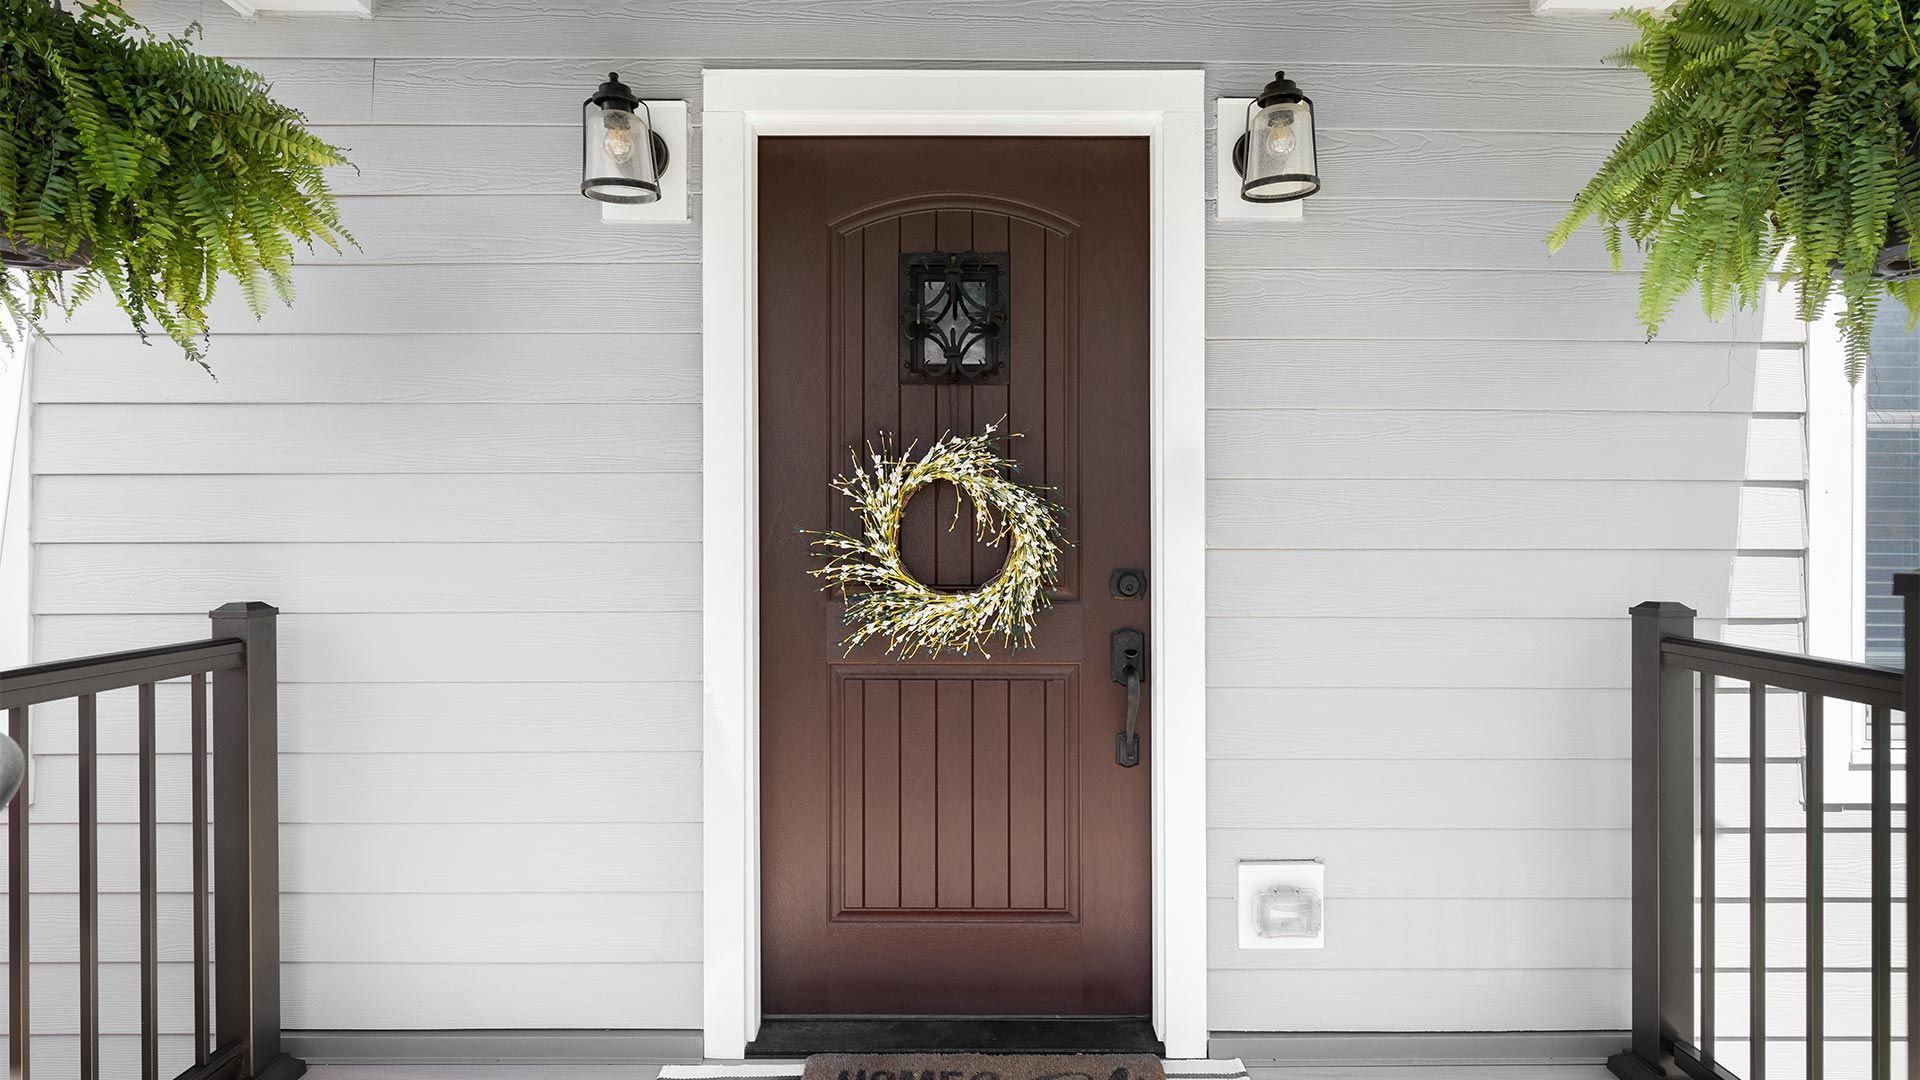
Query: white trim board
[248,9]
[1605,8]
[1169,109]
[16,506]
[16,523]
[1836,435]
[1836,547]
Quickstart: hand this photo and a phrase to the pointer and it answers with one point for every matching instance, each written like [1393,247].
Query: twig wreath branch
[884,600]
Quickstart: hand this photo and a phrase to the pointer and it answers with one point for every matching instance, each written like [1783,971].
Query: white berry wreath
[884,600]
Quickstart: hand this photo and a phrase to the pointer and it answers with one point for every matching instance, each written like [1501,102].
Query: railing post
[246,846]
[1907,586]
[1663,841]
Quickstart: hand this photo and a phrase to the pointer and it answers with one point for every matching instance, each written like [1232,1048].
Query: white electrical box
[1281,904]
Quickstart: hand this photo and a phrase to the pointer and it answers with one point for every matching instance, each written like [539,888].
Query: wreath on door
[883,598]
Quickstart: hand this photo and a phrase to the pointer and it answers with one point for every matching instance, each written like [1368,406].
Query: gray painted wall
[1442,466]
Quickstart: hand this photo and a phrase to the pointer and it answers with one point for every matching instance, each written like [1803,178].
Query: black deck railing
[1676,680]
[236,1000]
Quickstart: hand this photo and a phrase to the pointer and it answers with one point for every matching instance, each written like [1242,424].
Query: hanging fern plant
[1781,139]
[129,162]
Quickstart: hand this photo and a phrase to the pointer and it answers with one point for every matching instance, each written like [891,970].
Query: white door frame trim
[1167,107]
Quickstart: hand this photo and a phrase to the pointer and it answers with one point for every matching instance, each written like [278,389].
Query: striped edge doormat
[1178,1069]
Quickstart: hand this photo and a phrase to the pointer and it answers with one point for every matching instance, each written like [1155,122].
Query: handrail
[60,679]
[1841,679]
[235,760]
[1676,834]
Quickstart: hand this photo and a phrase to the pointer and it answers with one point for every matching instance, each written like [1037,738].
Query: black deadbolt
[1128,584]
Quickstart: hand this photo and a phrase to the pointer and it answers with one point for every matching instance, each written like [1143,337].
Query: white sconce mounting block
[1281,904]
[669,122]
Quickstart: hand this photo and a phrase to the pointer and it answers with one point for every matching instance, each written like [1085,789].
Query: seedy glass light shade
[616,155]
[1280,164]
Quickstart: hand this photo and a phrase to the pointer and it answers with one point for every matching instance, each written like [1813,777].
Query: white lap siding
[465,465]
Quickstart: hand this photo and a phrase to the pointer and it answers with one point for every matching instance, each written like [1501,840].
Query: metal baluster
[1816,728]
[149,895]
[89,887]
[1709,845]
[1757,871]
[19,1016]
[202,969]
[1882,738]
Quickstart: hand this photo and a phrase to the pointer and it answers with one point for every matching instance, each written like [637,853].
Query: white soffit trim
[1595,7]
[362,9]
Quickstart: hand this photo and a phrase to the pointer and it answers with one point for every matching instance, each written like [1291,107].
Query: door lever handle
[1126,745]
[1129,664]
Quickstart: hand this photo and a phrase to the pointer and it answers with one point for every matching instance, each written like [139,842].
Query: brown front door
[953,836]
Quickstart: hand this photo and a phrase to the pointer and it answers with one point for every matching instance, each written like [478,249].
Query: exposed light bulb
[1280,137]
[619,141]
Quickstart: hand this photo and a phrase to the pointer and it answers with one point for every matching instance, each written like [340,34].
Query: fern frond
[1780,137]
[172,171]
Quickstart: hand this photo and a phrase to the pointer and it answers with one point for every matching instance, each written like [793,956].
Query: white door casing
[1167,108]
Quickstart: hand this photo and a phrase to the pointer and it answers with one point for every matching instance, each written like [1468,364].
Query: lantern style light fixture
[621,156]
[1275,156]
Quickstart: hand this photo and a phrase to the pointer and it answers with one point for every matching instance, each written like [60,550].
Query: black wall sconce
[1275,155]
[621,156]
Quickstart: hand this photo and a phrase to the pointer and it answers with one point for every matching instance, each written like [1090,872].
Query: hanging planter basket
[1897,261]
[133,166]
[1778,147]
[20,255]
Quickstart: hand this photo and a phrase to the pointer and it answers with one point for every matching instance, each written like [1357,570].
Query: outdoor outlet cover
[1280,904]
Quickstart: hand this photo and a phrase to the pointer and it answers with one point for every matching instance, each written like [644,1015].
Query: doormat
[984,1067]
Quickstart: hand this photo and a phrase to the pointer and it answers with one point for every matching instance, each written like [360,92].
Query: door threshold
[798,1036]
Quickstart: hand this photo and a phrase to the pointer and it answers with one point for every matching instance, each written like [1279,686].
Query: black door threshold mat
[799,1036]
[984,1067]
